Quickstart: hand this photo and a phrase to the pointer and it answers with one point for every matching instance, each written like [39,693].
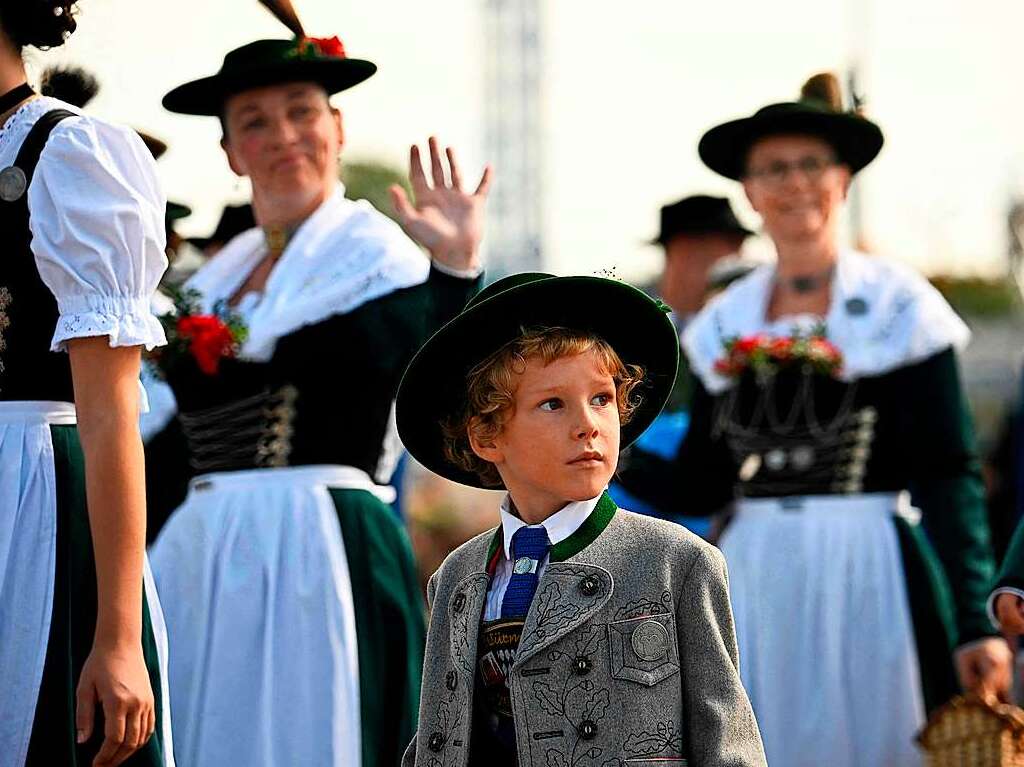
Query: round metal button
[451,680]
[587,730]
[13,183]
[582,665]
[589,586]
[435,742]
[460,602]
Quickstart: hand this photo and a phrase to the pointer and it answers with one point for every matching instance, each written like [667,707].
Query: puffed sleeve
[97,221]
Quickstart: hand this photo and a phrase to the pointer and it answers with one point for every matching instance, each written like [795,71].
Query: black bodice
[28,310]
[800,433]
[325,397]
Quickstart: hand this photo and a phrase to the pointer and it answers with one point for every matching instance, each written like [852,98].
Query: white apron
[264,658]
[28,543]
[827,649]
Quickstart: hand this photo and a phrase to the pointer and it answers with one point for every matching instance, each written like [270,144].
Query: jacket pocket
[644,649]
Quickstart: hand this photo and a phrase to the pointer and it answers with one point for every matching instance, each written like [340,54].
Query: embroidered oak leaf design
[596,705]
[556,758]
[549,700]
[664,739]
[590,639]
[645,606]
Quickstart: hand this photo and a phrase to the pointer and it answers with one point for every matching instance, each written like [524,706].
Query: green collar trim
[586,534]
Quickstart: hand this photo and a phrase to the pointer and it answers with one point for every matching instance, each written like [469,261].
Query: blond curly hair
[491,389]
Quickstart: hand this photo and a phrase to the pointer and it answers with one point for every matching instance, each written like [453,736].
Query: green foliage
[370,180]
[979,297]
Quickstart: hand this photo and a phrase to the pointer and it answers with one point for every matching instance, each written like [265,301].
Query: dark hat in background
[698,214]
[434,385]
[234,220]
[819,113]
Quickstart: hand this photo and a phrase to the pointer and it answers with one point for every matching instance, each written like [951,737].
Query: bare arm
[106,384]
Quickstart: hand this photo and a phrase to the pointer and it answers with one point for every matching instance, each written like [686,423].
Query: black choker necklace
[806,283]
[15,96]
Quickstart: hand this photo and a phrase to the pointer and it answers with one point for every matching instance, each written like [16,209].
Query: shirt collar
[560,525]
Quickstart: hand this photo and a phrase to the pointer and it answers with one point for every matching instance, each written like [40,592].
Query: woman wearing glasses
[828,391]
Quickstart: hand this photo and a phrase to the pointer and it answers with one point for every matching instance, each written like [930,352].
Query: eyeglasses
[813,167]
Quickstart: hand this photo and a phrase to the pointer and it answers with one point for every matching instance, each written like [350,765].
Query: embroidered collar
[882,316]
[344,255]
[569,535]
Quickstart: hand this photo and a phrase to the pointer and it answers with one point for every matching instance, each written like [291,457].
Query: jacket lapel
[568,595]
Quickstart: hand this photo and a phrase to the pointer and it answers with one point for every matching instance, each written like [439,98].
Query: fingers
[485,182]
[436,167]
[113,735]
[132,736]
[1009,613]
[403,208]
[453,167]
[416,175]
[85,711]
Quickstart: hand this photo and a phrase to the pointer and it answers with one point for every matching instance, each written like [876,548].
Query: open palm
[443,218]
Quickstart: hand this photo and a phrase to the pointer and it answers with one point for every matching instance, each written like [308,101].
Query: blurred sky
[628,90]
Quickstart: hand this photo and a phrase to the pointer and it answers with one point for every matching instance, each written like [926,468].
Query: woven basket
[971,732]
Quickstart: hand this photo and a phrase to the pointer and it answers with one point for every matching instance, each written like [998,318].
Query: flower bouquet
[765,355]
[206,339]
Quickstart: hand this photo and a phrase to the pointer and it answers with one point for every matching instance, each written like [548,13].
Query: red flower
[749,344]
[328,46]
[781,348]
[824,349]
[209,340]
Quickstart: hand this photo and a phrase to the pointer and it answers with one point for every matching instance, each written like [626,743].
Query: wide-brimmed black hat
[234,220]
[434,385]
[855,139]
[698,214]
[271,62]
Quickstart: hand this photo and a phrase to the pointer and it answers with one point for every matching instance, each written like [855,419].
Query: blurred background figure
[234,220]
[826,392]
[697,233]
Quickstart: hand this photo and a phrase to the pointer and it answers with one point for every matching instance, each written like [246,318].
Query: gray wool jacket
[627,658]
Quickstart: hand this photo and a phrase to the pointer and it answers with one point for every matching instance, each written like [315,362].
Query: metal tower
[513,134]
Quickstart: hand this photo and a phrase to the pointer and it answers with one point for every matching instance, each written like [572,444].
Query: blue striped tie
[529,546]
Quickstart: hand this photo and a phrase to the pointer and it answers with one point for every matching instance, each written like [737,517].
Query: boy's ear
[485,449]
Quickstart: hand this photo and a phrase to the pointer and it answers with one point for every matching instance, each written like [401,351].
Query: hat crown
[507,283]
[699,214]
[259,52]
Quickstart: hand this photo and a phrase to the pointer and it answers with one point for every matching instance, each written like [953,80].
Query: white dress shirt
[559,525]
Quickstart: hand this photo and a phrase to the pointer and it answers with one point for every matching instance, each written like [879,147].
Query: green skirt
[72,626]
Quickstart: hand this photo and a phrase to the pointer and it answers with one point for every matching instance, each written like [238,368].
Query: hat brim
[207,95]
[856,140]
[434,385]
[741,231]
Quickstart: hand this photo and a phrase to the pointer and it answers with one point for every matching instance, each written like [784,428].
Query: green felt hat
[434,385]
[855,139]
[270,62]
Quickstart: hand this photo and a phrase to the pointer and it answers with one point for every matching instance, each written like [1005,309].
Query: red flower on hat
[328,46]
[209,338]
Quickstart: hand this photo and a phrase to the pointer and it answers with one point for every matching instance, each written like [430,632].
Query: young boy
[575,633]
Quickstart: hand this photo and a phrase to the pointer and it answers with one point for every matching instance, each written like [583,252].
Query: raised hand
[443,218]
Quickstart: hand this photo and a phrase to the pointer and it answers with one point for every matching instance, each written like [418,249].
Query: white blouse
[97,222]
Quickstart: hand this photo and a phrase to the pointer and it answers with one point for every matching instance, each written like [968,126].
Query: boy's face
[561,442]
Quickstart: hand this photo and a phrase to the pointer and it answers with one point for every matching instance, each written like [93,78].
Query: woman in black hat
[827,389]
[292,600]
[82,648]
